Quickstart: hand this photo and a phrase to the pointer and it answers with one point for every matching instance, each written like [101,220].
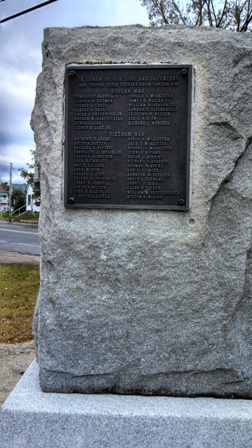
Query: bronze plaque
[128,136]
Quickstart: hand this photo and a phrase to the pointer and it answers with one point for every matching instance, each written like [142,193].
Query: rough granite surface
[150,302]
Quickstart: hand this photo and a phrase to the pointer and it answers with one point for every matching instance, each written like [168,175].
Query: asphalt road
[19,238]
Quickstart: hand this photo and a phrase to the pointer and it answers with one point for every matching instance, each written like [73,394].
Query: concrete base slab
[31,418]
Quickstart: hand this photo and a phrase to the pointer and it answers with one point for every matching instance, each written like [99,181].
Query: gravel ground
[15,358]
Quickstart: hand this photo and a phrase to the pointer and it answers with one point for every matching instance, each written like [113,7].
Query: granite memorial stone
[147,301]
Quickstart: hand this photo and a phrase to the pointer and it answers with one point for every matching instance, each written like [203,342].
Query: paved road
[19,238]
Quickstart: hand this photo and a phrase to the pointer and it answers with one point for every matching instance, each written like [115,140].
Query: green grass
[27,218]
[4,215]
[17,217]
[18,292]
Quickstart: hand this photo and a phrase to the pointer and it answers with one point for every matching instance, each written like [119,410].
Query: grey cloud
[21,57]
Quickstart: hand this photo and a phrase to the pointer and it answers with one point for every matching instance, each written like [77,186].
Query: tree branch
[199,20]
[222,15]
[162,12]
[179,12]
[248,16]
[246,23]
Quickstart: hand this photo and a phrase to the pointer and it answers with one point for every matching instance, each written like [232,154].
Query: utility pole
[10,192]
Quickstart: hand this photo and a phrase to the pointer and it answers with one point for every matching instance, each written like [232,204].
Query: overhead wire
[5,173]
[27,10]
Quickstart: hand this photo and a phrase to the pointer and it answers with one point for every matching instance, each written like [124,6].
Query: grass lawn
[17,217]
[18,292]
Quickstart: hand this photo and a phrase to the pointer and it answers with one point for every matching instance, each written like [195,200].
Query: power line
[4,172]
[26,10]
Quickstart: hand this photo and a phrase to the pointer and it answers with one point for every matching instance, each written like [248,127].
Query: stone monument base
[31,418]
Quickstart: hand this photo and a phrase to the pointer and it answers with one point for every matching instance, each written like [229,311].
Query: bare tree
[235,15]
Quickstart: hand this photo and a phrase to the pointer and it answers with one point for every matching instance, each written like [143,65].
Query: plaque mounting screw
[181,201]
[71,200]
[184,72]
[72,73]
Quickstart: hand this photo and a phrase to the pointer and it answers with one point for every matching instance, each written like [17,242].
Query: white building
[4,201]
[30,201]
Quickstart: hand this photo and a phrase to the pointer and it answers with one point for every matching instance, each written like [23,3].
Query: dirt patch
[17,258]
[15,358]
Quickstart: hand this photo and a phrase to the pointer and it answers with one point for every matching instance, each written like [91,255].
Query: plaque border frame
[118,66]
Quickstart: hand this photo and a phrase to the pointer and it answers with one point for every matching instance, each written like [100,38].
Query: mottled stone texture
[151,302]
[30,418]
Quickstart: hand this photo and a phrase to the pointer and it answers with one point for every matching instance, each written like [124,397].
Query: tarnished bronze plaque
[128,136]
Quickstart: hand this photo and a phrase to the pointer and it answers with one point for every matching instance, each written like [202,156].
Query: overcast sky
[21,59]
